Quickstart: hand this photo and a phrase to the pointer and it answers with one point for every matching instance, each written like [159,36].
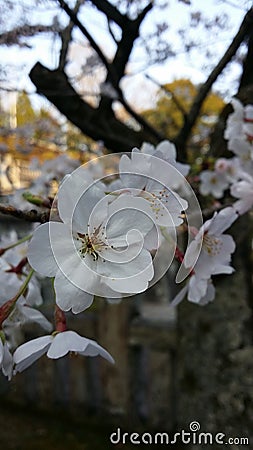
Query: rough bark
[216,354]
[94,122]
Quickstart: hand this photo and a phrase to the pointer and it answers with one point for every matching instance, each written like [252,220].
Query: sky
[45,49]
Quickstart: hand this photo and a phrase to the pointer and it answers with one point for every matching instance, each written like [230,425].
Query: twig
[29,216]
[193,114]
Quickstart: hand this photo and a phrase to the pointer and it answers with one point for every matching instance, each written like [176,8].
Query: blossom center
[156,201]
[212,244]
[92,244]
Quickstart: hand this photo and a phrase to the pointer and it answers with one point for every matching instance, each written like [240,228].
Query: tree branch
[93,122]
[66,38]
[14,36]
[192,116]
[29,216]
[111,12]
[88,36]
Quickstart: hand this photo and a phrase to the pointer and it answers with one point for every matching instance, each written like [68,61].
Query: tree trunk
[216,353]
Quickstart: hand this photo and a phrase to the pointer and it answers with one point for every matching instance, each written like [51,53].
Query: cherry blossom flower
[239,131]
[154,179]
[228,168]
[6,361]
[240,122]
[93,251]
[198,290]
[23,314]
[12,277]
[213,183]
[243,190]
[166,151]
[56,346]
[212,250]
[214,247]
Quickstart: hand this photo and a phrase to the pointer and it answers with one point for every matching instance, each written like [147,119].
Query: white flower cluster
[113,237]
[235,173]
[51,170]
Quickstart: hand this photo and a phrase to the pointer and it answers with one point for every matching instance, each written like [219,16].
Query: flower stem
[24,285]
[179,255]
[8,306]
[20,241]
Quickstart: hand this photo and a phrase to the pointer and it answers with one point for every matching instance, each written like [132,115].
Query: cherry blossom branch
[29,216]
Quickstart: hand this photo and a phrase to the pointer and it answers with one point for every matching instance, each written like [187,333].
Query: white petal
[27,353]
[40,255]
[197,288]
[132,277]
[127,213]
[35,316]
[222,221]
[70,192]
[133,171]
[67,341]
[1,351]
[68,296]
[7,363]
[192,253]
[94,349]
[70,341]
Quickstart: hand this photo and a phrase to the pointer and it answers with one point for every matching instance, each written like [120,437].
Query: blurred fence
[140,333]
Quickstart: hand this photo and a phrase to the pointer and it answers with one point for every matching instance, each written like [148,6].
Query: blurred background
[81,79]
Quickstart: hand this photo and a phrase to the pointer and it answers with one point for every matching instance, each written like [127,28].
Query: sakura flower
[13,272]
[212,183]
[56,346]
[213,247]
[166,151]
[198,290]
[153,179]
[242,148]
[235,120]
[239,131]
[229,168]
[23,314]
[211,250]
[93,251]
[240,122]
[243,190]
[6,361]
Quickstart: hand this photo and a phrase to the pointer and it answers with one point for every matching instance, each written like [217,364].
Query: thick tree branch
[93,122]
[115,70]
[192,116]
[247,74]
[111,12]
